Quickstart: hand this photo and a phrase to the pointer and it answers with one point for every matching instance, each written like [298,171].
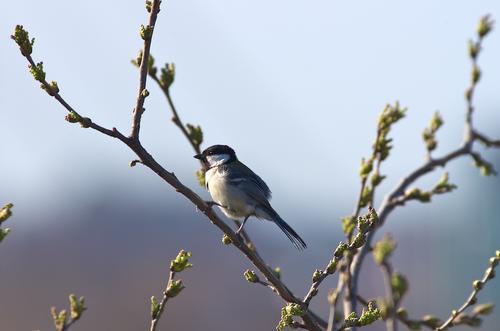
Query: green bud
[146,32]
[145,93]
[430,143]
[384,307]
[251,276]
[167,75]
[138,59]
[474,49]
[52,89]
[399,285]
[200,175]
[443,186]
[468,94]
[369,316]
[339,251]
[174,288]
[277,272]
[294,309]
[436,122]
[372,216]
[181,262]
[477,285]
[376,179]
[155,307]
[37,71]
[317,275]
[417,194]
[22,39]
[497,254]
[59,318]
[363,224]
[366,196]
[476,74]
[6,212]
[483,309]
[366,168]
[484,27]
[226,240]
[152,70]
[148,6]
[73,117]
[390,115]
[332,266]
[429,133]
[485,167]
[383,249]
[3,233]
[493,262]
[77,306]
[195,133]
[348,225]
[359,240]
[287,314]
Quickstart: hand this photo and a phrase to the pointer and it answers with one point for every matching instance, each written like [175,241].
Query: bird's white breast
[235,202]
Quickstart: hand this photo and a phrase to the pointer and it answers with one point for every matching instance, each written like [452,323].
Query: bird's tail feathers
[287,229]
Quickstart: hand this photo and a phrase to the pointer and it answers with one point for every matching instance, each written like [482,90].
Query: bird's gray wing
[241,175]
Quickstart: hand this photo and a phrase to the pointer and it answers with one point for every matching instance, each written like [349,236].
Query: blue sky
[294,87]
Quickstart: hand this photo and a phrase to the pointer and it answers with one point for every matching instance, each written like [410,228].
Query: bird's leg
[242,225]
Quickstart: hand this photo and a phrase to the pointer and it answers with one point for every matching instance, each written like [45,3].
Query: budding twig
[393,199]
[147,35]
[477,286]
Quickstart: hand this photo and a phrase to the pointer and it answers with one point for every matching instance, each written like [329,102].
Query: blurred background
[295,87]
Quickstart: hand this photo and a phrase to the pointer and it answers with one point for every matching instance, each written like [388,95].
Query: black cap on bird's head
[217,150]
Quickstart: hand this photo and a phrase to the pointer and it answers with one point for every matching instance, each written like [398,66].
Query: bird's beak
[198,156]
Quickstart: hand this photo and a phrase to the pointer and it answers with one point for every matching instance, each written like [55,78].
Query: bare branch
[147,35]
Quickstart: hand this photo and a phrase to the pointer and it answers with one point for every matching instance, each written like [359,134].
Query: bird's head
[217,155]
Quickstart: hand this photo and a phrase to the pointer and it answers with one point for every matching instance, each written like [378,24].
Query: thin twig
[478,285]
[161,306]
[346,278]
[143,71]
[175,115]
[390,321]
[333,298]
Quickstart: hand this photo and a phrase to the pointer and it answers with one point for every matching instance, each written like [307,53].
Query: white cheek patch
[218,159]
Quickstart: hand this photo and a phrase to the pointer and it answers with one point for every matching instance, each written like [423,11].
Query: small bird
[239,192]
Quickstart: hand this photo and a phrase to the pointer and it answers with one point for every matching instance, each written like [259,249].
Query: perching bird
[239,192]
